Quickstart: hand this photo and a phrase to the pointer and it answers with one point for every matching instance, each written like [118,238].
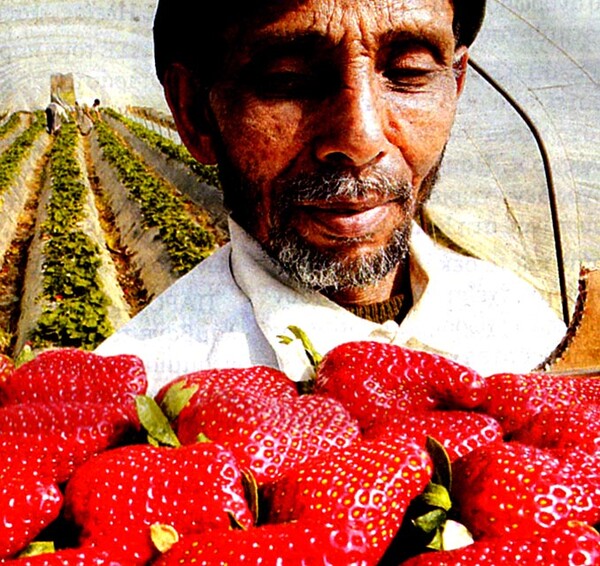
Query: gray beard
[327,271]
[319,271]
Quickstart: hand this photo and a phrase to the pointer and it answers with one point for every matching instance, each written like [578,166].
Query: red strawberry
[85,556]
[69,374]
[116,496]
[110,420]
[458,432]
[563,429]
[29,502]
[52,454]
[566,544]
[256,380]
[373,379]
[289,544]
[268,426]
[510,489]
[358,494]
[513,399]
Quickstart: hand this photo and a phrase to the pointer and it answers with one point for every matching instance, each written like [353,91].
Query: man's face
[329,120]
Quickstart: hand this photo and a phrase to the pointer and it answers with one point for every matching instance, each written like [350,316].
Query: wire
[549,183]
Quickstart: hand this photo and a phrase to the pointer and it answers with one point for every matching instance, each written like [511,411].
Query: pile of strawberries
[389,456]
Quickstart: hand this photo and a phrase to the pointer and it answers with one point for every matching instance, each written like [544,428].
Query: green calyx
[156,423]
[314,357]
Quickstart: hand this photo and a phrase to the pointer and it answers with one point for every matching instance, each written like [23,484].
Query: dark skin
[370,87]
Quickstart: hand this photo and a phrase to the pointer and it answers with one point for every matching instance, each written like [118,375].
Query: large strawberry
[513,399]
[375,379]
[116,496]
[70,374]
[567,544]
[267,425]
[29,501]
[358,494]
[563,428]
[85,556]
[508,489]
[287,544]
[458,432]
[108,419]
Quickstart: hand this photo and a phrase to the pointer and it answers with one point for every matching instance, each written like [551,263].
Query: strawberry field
[92,226]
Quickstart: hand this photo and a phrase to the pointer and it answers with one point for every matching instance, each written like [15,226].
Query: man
[328,119]
[55,115]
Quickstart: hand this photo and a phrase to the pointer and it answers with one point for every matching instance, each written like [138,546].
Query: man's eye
[410,78]
[288,85]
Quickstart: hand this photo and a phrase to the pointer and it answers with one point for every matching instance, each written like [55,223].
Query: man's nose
[353,130]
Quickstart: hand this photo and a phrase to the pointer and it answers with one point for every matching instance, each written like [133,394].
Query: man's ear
[461,60]
[188,105]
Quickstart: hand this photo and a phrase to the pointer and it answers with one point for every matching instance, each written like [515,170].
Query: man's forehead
[369,20]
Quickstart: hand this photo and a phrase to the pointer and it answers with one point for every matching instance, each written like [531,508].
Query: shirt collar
[278,303]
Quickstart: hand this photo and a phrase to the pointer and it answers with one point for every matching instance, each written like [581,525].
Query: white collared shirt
[231,310]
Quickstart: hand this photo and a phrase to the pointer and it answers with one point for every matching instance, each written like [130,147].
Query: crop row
[10,124]
[206,173]
[75,306]
[186,242]
[10,160]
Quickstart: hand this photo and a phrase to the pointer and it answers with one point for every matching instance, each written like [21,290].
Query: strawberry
[513,399]
[563,429]
[70,374]
[267,425]
[256,380]
[288,544]
[358,494]
[567,544]
[54,454]
[511,489]
[116,496]
[111,420]
[458,432]
[29,501]
[373,380]
[85,556]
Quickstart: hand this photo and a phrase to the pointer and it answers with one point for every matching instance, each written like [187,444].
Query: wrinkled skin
[364,89]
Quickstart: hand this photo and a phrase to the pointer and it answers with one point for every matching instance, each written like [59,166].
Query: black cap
[180,35]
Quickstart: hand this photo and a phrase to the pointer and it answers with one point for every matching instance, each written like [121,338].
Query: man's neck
[395,283]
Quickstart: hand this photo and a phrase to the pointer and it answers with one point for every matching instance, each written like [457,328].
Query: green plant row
[153,115]
[10,160]
[207,173]
[187,242]
[10,124]
[75,306]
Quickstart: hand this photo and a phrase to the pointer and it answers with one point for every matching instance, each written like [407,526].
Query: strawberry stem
[311,353]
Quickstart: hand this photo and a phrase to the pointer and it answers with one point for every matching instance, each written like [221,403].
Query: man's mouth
[347,218]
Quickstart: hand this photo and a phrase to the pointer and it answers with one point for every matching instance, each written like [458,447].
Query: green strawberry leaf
[298,334]
[235,524]
[251,492]
[442,469]
[431,521]
[436,495]
[155,422]
[25,355]
[36,548]
[176,398]
[202,438]
[437,542]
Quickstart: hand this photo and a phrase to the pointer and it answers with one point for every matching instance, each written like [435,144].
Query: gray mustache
[333,186]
